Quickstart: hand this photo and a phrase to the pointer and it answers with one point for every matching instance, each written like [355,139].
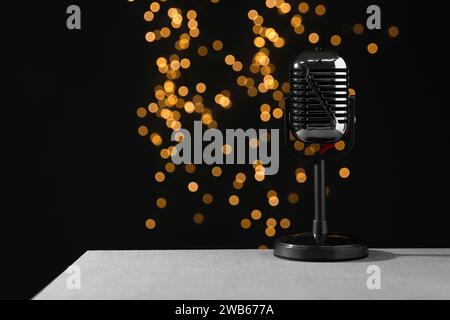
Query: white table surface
[252,274]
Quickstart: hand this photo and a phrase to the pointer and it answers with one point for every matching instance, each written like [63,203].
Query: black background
[78,177]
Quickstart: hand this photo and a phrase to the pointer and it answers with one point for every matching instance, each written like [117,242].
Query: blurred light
[274,201]
[200,87]
[270,232]
[190,168]
[335,40]
[393,31]
[141,112]
[320,10]
[340,145]
[191,14]
[154,6]
[150,36]
[252,14]
[192,186]
[216,171]
[226,149]
[344,173]
[170,167]
[303,7]
[246,223]
[293,198]
[313,37]
[143,131]
[277,113]
[202,51]
[301,177]
[217,45]
[271,223]
[358,28]
[256,214]
[229,59]
[372,48]
[233,200]
[150,224]
[240,177]
[207,198]
[161,203]
[198,218]
[148,16]
[160,176]
[285,223]
[156,139]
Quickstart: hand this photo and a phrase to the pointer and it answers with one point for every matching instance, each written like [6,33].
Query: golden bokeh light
[301,177]
[256,214]
[226,149]
[148,16]
[170,167]
[270,232]
[207,198]
[340,145]
[320,10]
[190,168]
[150,224]
[191,14]
[193,186]
[143,131]
[358,28]
[202,51]
[274,201]
[240,177]
[160,176]
[216,171]
[141,112]
[217,45]
[313,37]
[156,139]
[393,31]
[252,14]
[229,59]
[150,36]
[372,48]
[293,198]
[344,172]
[233,200]
[200,87]
[271,223]
[303,7]
[246,223]
[335,40]
[198,218]
[285,223]
[161,203]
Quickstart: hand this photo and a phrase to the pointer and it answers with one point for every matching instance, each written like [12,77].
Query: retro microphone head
[319,125]
[319,109]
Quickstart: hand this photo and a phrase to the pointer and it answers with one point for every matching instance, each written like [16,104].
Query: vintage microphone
[319,113]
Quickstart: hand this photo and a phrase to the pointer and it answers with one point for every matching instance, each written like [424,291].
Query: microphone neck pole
[320,228]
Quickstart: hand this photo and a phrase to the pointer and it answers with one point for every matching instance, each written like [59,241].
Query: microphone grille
[319,105]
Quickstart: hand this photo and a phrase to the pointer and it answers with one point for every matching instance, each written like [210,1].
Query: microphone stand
[320,226]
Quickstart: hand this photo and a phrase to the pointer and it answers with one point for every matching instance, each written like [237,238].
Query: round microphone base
[330,247]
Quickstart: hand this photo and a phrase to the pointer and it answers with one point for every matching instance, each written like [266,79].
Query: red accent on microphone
[326,148]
